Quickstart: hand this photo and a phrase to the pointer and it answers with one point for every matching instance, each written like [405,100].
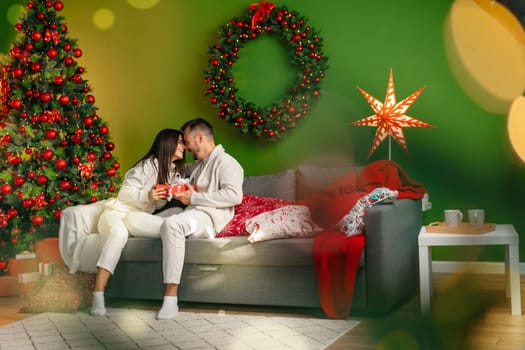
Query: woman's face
[179,151]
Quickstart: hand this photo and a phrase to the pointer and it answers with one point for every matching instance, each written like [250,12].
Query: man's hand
[184,197]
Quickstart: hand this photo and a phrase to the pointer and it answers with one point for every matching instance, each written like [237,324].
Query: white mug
[476,217]
[453,217]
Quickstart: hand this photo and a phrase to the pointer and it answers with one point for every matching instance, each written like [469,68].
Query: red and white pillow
[250,206]
[290,221]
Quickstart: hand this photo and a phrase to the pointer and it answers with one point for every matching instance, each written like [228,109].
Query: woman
[162,164]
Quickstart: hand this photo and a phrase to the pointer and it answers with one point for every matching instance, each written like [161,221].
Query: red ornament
[19,181]
[48,154]
[58,5]
[64,99]
[111,172]
[41,179]
[88,121]
[110,146]
[37,220]
[65,185]
[27,203]
[104,130]
[36,36]
[36,66]
[91,156]
[77,53]
[61,164]
[6,188]
[46,97]
[52,53]
[51,134]
[18,72]
[59,80]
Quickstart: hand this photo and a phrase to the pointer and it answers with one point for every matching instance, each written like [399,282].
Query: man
[217,179]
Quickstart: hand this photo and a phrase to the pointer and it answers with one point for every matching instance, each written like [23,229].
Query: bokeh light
[103,18]
[486,58]
[143,4]
[516,126]
[14,12]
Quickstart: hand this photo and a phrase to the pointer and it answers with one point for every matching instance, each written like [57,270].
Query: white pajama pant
[115,226]
[113,237]
[173,232]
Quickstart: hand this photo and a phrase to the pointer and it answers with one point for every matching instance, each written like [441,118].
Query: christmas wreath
[275,120]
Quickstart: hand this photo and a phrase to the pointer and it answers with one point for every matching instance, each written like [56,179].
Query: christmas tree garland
[274,121]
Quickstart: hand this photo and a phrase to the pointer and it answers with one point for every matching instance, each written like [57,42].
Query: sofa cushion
[310,179]
[279,185]
[227,251]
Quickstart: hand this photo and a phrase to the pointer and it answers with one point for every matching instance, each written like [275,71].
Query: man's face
[191,141]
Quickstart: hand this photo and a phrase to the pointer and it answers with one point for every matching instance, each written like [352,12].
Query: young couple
[207,205]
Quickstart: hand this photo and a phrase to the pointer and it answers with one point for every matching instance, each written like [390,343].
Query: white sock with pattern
[169,308]
[97,307]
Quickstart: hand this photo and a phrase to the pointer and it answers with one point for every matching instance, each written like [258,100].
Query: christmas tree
[55,149]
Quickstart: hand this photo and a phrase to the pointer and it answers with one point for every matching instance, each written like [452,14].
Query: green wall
[146,72]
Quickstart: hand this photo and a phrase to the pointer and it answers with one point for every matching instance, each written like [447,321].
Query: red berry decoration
[275,120]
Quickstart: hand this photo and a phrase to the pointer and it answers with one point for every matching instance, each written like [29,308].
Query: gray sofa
[281,272]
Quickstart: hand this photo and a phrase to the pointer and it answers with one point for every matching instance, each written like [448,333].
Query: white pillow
[290,221]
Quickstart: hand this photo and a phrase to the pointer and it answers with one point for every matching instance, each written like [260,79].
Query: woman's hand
[158,192]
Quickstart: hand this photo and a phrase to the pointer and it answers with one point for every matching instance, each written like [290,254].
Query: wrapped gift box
[21,263]
[9,286]
[47,251]
[28,283]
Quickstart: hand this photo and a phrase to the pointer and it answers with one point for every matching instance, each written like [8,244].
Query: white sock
[169,308]
[97,307]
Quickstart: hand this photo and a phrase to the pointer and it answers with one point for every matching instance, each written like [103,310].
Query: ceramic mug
[453,217]
[476,217]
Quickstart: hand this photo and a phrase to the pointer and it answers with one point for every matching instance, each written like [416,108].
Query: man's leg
[173,234]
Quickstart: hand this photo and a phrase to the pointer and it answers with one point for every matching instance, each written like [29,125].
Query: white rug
[138,329]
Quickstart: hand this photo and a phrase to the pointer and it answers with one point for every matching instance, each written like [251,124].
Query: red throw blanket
[336,256]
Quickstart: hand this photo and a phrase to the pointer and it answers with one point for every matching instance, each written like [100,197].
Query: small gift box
[28,283]
[180,185]
[46,268]
[23,262]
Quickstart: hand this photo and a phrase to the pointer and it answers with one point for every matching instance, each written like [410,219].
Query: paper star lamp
[390,117]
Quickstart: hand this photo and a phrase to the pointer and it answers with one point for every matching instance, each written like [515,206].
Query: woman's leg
[114,235]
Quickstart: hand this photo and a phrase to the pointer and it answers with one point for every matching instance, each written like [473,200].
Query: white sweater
[218,180]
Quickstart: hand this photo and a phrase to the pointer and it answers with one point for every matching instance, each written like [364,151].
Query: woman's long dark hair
[162,149]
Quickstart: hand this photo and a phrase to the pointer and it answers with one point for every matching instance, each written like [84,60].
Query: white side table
[504,235]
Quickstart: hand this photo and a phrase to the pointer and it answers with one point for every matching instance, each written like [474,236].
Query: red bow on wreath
[262,9]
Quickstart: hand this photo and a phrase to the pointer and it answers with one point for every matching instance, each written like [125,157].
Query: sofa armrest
[391,253]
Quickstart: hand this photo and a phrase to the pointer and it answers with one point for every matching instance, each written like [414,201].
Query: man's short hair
[200,124]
